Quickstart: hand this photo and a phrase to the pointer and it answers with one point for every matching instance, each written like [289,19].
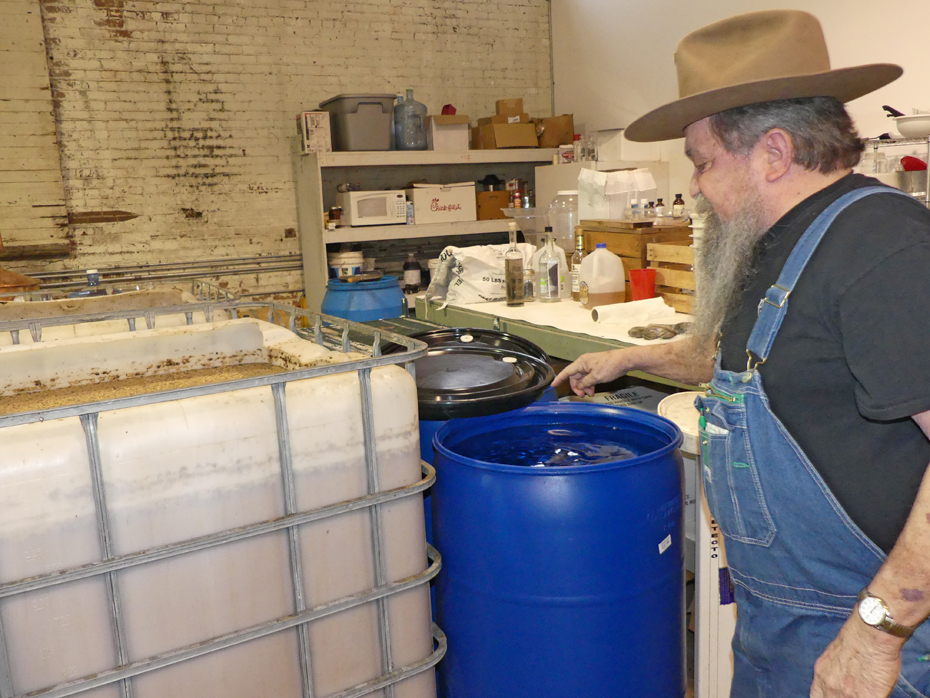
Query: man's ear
[775,154]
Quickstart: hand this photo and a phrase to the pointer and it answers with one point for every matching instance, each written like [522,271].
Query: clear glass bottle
[413,274]
[548,272]
[578,148]
[635,213]
[591,149]
[576,264]
[513,269]
[410,124]
[650,210]
[678,206]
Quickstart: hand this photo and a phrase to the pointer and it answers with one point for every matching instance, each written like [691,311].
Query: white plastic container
[563,217]
[342,264]
[601,279]
[192,467]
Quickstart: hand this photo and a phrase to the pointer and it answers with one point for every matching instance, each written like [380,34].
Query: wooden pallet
[674,265]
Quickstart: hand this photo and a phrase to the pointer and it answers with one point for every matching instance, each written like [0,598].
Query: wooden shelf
[370,233]
[57,250]
[389,158]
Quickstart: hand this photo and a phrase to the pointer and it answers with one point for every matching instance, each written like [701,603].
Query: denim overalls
[796,559]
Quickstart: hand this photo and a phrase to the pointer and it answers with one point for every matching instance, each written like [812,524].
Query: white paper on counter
[642,312]
[570,316]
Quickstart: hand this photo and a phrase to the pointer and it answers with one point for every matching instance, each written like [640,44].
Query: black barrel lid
[471,372]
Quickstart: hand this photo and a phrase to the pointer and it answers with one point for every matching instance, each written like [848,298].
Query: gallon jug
[409,124]
[563,217]
[601,278]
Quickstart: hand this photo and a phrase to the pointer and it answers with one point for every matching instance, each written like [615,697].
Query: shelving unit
[876,143]
[317,174]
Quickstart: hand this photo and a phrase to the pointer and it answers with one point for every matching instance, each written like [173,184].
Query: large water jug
[409,124]
[601,279]
[563,217]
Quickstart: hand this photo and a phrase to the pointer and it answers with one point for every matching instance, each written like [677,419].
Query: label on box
[513,119]
[315,133]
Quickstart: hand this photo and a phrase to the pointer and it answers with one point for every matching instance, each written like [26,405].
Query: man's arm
[863,662]
[685,361]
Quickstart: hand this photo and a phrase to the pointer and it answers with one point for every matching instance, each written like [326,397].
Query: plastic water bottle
[410,124]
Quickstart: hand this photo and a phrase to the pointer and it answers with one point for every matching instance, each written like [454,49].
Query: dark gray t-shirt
[851,362]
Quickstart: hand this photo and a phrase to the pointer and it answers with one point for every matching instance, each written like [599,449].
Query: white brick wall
[184,112]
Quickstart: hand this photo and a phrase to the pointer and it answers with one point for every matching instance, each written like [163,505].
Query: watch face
[872,610]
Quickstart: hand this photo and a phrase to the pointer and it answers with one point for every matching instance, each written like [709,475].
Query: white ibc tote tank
[238,539]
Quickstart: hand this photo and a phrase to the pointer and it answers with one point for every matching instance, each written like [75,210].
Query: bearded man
[812,328]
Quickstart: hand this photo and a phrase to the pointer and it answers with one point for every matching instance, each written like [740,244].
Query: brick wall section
[184,113]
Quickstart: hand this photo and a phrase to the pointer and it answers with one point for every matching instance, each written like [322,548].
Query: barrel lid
[680,409]
[471,372]
[359,286]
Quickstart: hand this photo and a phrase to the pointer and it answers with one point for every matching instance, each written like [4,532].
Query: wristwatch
[874,612]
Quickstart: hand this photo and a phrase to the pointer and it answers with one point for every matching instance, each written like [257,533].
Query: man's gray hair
[823,133]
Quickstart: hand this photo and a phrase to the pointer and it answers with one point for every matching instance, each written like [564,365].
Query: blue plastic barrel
[561,580]
[364,301]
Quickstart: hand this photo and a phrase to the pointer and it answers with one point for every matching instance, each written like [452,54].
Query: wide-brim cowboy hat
[752,58]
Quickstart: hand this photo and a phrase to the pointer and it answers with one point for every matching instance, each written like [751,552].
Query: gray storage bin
[361,121]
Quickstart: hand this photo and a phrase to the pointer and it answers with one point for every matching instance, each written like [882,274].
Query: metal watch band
[887,625]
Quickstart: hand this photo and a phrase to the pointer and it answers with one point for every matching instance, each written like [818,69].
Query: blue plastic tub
[564,580]
[364,301]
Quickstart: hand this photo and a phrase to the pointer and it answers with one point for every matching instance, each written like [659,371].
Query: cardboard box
[498,119]
[443,203]
[556,131]
[495,136]
[315,135]
[490,204]
[447,132]
[510,107]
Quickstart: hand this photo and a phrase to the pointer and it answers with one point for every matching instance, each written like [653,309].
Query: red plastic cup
[642,284]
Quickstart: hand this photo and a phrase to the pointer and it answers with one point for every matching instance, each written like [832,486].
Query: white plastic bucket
[342,264]
[679,408]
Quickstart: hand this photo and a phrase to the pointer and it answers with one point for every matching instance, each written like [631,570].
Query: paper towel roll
[644,311]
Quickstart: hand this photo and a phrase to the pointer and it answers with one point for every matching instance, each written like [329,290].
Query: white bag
[593,204]
[473,274]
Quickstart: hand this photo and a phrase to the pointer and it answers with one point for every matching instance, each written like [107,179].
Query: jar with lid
[410,124]
[563,217]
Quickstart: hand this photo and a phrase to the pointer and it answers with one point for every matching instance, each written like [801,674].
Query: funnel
[532,222]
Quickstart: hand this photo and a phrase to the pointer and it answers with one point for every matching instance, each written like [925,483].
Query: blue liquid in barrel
[547,446]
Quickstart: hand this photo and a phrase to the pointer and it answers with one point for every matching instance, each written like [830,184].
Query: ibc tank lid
[679,408]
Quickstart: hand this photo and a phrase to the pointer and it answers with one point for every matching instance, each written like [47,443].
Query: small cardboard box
[447,132]
[498,119]
[315,135]
[510,107]
[443,203]
[556,131]
[495,136]
[490,204]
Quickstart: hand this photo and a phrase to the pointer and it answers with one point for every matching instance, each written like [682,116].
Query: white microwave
[373,207]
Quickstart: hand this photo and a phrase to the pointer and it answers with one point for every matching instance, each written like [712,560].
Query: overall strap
[773,307]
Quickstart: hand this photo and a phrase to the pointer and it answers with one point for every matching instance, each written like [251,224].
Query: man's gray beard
[724,264]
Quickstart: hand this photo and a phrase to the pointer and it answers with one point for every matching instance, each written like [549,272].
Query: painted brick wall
[32,203]
[184,113]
